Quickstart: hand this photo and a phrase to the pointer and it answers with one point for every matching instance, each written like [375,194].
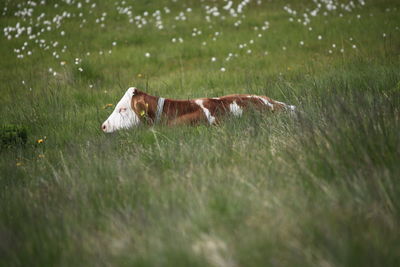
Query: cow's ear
[141,107]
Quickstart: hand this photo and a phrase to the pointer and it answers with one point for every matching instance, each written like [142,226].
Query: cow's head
[124,115]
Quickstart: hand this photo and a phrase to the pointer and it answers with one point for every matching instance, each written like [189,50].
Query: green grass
[319,189]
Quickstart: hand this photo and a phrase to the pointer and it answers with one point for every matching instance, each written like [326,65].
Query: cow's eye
[122,110]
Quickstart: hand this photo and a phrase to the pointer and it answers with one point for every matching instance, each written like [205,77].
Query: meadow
[318,189]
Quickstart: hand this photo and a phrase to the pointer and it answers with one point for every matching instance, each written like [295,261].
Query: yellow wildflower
[18,164]
[41,156]
[39,141]
[142,113]
[140,75]
[108,106]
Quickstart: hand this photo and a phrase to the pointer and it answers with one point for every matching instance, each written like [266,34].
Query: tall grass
[318,188]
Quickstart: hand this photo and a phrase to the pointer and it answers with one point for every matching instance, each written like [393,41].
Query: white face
[123,117]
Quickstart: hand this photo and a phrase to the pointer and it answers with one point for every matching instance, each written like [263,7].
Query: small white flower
[249,51]
[384,35]
[283,48]
[80,69]
[354,46]
[223,69]
[147,54]
[319,37]
[62,33]
[334,45]
[213,59]
[114,43]
[301,43]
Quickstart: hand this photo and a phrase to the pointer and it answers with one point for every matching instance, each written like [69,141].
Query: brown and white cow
[137,107]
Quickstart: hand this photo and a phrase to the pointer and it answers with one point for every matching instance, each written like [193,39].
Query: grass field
[320,189]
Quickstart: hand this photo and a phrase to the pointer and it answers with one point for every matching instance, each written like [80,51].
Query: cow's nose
[103,127]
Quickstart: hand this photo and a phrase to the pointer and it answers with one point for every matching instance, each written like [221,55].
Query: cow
[137,107]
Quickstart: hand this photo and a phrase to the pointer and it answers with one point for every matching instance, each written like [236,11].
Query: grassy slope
[262,190]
